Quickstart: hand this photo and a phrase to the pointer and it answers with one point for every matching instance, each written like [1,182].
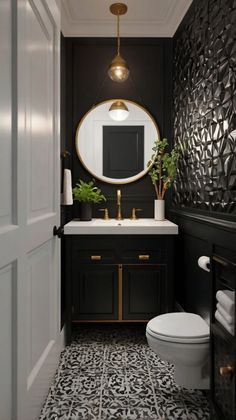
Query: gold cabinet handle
[226,370]
[143,257]
[96,257]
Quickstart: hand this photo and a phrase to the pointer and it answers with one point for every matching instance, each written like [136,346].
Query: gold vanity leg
[120,292]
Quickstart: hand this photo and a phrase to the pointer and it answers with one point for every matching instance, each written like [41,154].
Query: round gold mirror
[116,152]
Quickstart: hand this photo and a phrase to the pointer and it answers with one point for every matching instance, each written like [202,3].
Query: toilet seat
[179,327]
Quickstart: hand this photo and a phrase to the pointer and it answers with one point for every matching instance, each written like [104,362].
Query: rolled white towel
[67,188]
[222,321]
[227,300]
[229,318]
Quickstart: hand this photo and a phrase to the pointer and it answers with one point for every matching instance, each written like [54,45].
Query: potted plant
[87,194]
[162,172]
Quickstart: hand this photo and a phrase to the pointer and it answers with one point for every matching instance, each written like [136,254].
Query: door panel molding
[6,37]
[42,250]
[8,342]
[28,359]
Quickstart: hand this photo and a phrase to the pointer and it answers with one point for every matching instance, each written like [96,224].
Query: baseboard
[44,377]
[62,339]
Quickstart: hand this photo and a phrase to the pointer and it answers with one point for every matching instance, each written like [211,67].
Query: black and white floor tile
[110,373]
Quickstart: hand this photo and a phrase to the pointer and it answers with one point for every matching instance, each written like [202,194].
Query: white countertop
[121,227]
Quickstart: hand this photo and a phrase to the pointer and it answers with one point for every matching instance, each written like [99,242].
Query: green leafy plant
[163,167]
[86,192]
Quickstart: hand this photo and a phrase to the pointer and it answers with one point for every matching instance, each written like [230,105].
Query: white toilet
[182,339]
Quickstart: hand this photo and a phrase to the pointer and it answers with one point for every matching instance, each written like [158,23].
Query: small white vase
[159,210]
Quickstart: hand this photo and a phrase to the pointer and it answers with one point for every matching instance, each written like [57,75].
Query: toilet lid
[179,326]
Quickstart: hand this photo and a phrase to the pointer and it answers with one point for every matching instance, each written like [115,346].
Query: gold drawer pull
[96,257]
[143,257]
[226,370]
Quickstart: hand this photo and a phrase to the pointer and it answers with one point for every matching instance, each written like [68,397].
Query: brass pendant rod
[118,33]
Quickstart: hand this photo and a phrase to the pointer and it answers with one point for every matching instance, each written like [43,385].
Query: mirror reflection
[116,152]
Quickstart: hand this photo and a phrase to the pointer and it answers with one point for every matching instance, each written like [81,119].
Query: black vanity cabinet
[95,292]
[118,278]
[144,287]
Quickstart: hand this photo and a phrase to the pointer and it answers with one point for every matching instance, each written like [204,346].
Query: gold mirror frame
[106,179]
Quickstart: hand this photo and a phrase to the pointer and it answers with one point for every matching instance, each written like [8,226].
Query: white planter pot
[159,210]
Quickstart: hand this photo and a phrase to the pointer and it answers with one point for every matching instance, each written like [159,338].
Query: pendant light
[118,70]
[118,111]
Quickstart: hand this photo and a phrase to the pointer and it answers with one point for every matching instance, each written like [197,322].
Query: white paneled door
[29,205]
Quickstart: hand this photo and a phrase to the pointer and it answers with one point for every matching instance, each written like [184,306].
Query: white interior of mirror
[89,138]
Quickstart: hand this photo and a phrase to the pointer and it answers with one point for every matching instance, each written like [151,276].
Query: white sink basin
[121,227]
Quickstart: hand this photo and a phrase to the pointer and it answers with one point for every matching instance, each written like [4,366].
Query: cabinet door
[95,292]
[223,381]
[143,291]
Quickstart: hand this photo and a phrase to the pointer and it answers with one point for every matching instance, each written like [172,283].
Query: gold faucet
[133,215]
[106,214]
[119,216]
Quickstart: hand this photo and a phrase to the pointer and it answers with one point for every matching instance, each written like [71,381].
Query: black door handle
[58,231]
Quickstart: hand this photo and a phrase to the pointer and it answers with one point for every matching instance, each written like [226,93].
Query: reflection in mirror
[123,151]
[112,151]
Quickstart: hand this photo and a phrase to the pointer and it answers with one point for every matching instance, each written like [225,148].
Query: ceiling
[145,18]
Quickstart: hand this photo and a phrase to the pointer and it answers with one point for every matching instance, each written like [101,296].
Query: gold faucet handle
[133,215]
[106,214]
[118,193]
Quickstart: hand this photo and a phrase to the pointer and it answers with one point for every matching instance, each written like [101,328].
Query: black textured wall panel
[204,95]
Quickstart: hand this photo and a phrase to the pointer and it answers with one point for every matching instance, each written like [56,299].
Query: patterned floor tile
[128,414]
[109,372]
[55,410]
[65,388]
[115,389]
[83,409]
[135,361]
[115,358]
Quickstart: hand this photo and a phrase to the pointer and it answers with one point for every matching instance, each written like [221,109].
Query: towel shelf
[223,261]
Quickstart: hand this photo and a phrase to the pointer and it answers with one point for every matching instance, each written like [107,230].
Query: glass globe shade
[118,111]
[118,70]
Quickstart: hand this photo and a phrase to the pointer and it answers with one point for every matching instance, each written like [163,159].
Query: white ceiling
[145,18]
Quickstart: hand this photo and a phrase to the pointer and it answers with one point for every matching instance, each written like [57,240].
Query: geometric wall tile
[204,105]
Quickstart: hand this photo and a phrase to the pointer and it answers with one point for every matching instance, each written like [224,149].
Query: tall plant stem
[156,189]
[160,173]
[163,192]
[164,188]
